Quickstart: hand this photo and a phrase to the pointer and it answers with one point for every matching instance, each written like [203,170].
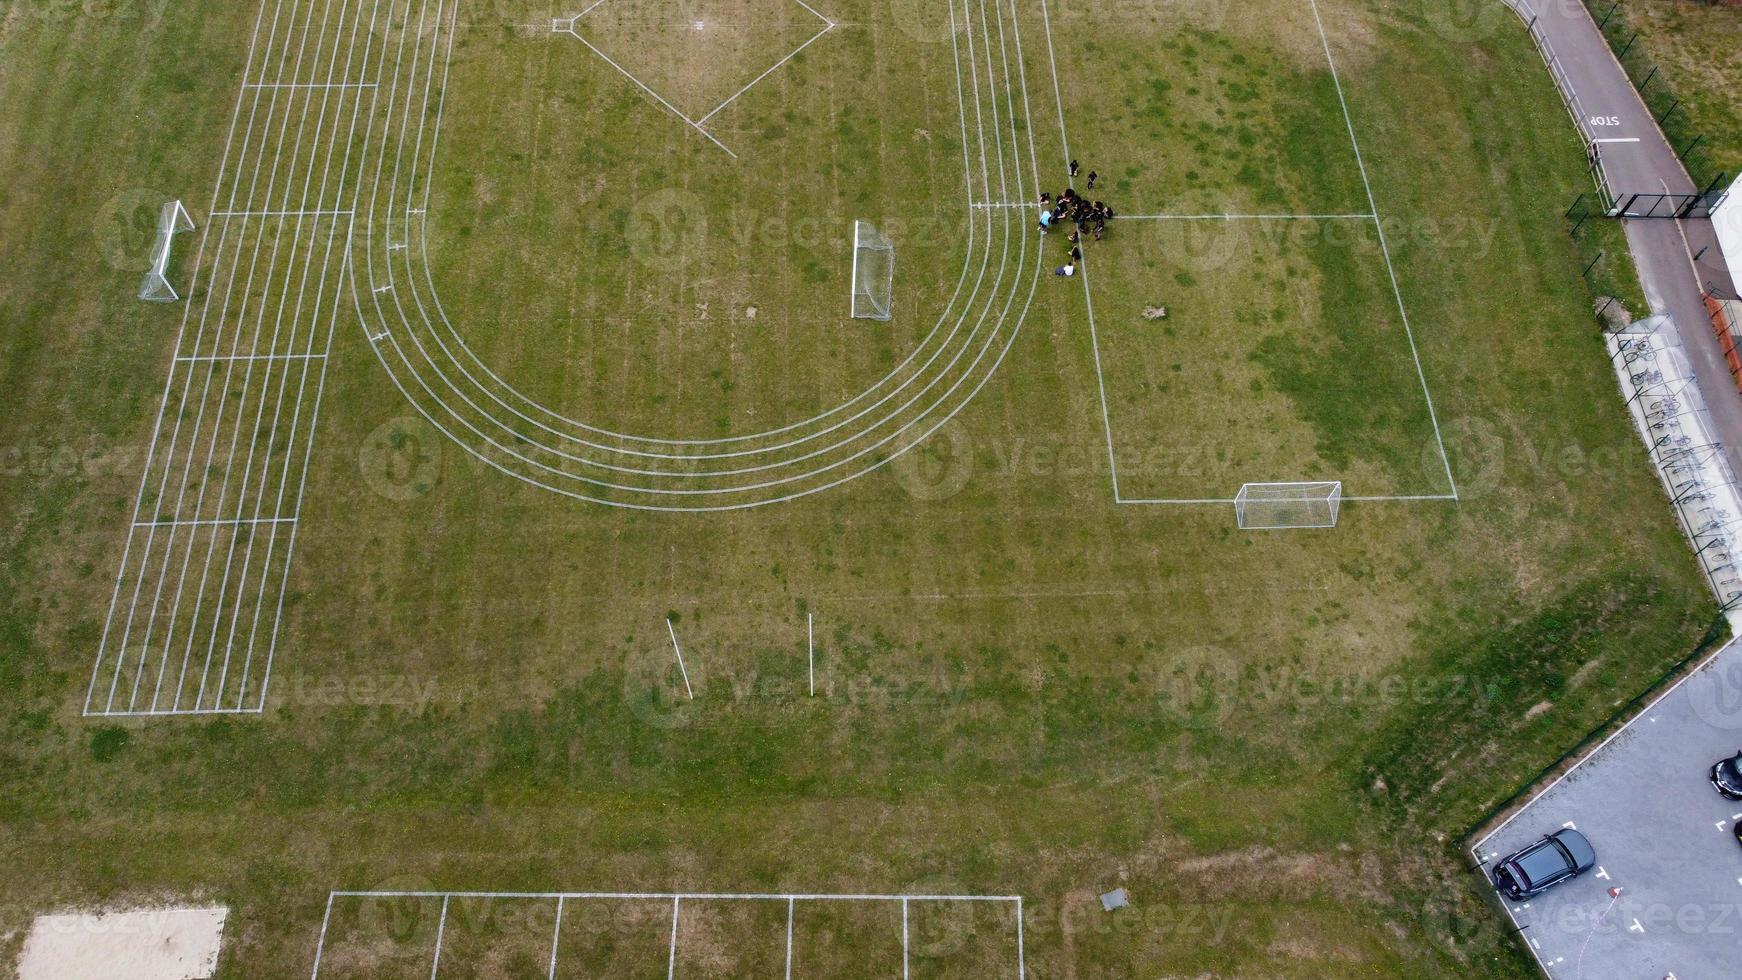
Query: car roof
[1541,862]
[1584,855]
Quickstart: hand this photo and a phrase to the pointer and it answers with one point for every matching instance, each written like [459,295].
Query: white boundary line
[335,49]
[671,957]
[1088,297]
[441,930]
[676,899]
[810,637]
[789,916]
[643,86]
[556,937]
[510,451]
[1372,214]
[1379,498]
[1390,270]
[680,665]
[828,25]
[904,944]
[218,521]
[321,943]
[664,896]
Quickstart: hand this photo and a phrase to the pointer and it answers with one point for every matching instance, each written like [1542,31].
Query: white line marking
[828,26]
[556,936]
[218,522]
[789,903]
[680,664]
[904,973]
[195,358]
[282,214]
[1088,298]
[651,93]
[1244,217]
[510,451]
[810,635]
[321,943]
[1391,271]
[309,85]
[663,896]
[671,956]
[441,928]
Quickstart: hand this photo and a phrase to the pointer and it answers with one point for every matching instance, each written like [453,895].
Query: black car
[1557,857]
[1727,777]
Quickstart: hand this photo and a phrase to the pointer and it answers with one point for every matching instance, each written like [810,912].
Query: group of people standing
[1082,216]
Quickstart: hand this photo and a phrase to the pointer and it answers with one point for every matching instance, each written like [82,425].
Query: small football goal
[873,272]
[1274,506]
[155,287]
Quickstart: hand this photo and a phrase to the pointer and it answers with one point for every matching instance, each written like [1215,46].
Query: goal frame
[863,303]
[171,220]
[1285,506]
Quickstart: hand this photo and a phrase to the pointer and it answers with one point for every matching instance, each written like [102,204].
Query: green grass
[1693,90]
[1023,687]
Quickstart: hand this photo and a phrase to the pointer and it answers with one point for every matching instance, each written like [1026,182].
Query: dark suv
[1727,777]
[1558,856]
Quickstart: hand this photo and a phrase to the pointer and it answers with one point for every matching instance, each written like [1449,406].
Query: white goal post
[1273,506]
[155,287]
[873,273]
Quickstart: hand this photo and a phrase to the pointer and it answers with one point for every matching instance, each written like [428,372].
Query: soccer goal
[873,272]
[155,287]
[1270,506]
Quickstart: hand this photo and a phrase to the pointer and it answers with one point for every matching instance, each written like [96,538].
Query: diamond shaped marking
[572,26]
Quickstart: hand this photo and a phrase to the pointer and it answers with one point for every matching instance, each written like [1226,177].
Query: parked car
[1727,777]
[1555,858]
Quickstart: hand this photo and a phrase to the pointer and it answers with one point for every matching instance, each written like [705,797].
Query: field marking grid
[562,900]
[566,25]
[403,295]
[192,624]
[1371,214]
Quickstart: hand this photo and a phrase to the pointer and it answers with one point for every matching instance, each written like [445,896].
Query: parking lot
[1664,840]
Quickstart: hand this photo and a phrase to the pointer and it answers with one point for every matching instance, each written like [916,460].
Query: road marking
[1601,873]
[1636,927]
[1618,139]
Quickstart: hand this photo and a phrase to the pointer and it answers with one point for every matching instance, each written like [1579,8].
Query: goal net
[155,287]
[873,272]
[1262,506]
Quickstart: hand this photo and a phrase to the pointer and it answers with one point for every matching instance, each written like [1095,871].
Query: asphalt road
[1636,158]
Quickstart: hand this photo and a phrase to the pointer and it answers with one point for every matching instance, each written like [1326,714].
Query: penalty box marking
[1391,273]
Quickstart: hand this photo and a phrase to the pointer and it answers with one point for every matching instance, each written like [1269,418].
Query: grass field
[1692,44]
[1022,686]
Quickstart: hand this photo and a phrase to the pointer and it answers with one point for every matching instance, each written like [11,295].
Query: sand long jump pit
[163,943]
